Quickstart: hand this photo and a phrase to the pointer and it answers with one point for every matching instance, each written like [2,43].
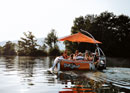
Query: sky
[41,16]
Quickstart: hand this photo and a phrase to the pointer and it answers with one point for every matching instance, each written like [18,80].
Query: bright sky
[40,16]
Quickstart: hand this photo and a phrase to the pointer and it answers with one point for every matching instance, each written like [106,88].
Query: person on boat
[90,58]
[57,59]
[80,56]
[76,54]
[86,57]
[71,57]
[65,55]
[96,58]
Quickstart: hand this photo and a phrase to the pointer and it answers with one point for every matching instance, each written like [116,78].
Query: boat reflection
[79,83]
[88,82]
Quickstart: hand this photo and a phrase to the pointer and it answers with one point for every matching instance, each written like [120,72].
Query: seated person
[65,55]
[96,58]
[76,54]
[90,58]
[80,57]
[86,57]
[57,59]
[71,57]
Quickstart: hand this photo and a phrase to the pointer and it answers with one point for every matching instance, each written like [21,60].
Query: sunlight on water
[30,75]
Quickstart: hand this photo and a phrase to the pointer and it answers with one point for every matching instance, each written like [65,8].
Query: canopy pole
[90,36]
[93,40]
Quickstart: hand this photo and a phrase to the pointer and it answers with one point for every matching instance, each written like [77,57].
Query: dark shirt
[96,58]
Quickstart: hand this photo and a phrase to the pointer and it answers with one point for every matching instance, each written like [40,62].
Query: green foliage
[27,45]
[113,31]
[51,42]
[51,39]
[42,50]
[80,23]
[43,47]
[54,51]
[39,53]
[71,46]
[9,48]
[1,50]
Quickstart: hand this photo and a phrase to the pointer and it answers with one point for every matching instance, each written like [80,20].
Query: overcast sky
[40,16]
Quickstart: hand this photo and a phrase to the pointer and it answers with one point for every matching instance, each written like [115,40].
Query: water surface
[29,75]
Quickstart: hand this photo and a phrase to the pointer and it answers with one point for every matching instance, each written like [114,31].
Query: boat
[66,65]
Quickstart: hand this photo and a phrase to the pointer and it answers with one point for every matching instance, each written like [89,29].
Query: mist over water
[29,75]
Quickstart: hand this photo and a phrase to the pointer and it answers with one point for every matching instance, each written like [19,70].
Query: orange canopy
[79,37]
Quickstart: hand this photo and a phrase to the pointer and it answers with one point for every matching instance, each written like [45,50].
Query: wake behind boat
[98,61]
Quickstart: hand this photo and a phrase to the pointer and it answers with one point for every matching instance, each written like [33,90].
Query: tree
[9,48]
[51,42]
[27,45]
[42,50]
[1,50]
[113,31]
[80,23]
[102,29]
[54,51]
[51,39]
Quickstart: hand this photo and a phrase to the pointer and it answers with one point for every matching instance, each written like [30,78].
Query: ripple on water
[118,76]
[29,75]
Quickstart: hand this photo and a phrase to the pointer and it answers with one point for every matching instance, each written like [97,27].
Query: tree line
[27,46]
[112,30]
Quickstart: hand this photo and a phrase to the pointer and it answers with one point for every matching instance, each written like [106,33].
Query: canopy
[79,37]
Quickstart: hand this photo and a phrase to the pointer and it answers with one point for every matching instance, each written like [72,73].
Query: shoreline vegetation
[112,30]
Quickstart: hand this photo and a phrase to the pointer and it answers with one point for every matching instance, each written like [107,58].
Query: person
[80,56]
[90,58]
[57,59]
[76,54]
[71,57]
[65,55]
[96,58]
[86,57]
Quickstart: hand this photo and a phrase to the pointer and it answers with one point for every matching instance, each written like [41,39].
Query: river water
[29,75]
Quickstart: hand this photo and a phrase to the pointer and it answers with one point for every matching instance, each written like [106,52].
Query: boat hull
[76,65]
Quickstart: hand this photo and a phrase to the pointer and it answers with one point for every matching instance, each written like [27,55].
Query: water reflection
[81,83]
[29,75]
[9,62]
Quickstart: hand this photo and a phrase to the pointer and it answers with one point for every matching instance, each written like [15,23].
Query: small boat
[65,64]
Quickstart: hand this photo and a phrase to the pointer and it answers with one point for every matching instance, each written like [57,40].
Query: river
[29,75]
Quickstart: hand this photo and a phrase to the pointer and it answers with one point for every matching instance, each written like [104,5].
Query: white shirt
[79,58]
